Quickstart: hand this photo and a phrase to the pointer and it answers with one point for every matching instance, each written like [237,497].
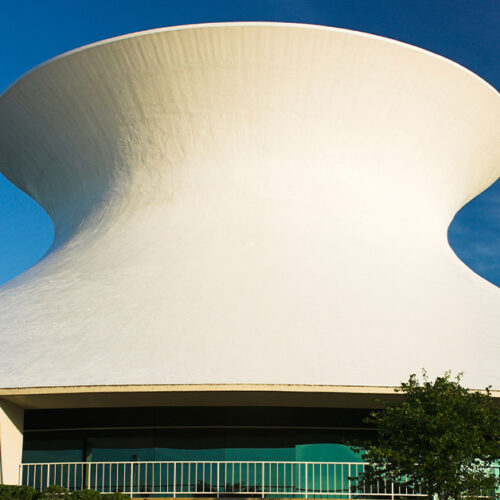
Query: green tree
[441,438]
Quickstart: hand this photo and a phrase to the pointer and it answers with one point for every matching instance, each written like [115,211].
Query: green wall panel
[325,452]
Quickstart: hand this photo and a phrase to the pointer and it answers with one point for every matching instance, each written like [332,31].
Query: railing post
[131,479]
[392,489]
[87,475]
[348,480]
[175,480]
[218,478]
[48,475]
[306,489]
[262,479]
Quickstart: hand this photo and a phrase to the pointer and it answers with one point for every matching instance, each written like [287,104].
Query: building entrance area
[210,451]
[194,450]
[193,434]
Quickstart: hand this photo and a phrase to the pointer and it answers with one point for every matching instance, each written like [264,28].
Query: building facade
[250,243]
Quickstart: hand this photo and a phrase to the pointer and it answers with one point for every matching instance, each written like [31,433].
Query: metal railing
[250,479]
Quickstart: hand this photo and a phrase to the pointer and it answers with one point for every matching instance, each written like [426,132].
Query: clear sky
[32,31]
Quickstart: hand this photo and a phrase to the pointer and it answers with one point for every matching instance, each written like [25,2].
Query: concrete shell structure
[248,203]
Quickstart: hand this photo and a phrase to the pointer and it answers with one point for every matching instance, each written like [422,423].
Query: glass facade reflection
[193,434]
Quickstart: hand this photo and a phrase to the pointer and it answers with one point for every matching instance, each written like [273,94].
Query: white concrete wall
[11,441]
[249,203]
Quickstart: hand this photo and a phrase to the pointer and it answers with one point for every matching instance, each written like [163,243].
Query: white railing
[251,479]
[341,480]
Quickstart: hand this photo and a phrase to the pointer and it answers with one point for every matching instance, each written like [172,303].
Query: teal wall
[325,452]
[59,451]
[52,449]
[217,454]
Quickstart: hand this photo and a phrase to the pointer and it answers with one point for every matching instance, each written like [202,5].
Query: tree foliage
[442,439]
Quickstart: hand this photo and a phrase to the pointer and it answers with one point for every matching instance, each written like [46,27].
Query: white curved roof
[249,203]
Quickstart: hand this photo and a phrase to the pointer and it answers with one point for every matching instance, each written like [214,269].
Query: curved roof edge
[197,387]
[326,396]
[247,23]
[353,389]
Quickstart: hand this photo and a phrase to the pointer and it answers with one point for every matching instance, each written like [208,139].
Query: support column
[11,441]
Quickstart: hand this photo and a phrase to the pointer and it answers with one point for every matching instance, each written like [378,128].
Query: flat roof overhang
[106,396]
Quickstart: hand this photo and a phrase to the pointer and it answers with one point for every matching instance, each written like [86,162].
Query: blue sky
[32,31]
